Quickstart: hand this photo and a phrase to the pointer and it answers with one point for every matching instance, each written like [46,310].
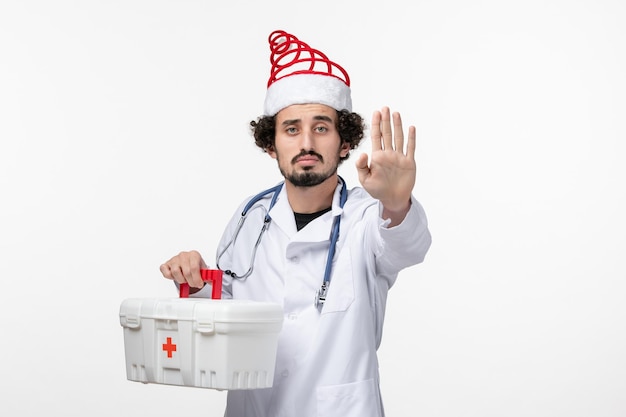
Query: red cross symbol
[169,347]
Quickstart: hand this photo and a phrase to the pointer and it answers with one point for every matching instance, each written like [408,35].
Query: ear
[344,150]
[271,152]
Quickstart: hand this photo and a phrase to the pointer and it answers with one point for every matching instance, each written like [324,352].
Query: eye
[291,130]
[321,129]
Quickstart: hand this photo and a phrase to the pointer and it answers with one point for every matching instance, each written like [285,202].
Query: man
[329,255]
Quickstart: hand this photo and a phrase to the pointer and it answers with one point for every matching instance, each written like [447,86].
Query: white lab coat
[326,364]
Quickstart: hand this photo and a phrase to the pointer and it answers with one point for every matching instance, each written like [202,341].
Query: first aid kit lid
[218,311]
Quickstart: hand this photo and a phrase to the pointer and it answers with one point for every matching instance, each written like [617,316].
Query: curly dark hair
[350,126]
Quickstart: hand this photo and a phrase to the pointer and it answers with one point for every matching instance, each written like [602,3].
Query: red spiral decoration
[292,56]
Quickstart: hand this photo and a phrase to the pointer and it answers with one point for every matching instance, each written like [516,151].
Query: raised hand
[390,175]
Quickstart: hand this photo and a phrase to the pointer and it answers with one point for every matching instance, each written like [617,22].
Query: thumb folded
[361,163]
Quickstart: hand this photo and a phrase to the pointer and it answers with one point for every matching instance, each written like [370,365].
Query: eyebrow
[295,121]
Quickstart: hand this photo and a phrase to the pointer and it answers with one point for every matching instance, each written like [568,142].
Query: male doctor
[334,306]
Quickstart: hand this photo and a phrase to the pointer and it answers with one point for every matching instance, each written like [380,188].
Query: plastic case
[199,342]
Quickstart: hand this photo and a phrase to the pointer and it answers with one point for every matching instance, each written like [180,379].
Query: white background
[124,139]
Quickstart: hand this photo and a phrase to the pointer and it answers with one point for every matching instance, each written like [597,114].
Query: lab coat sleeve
[406,244]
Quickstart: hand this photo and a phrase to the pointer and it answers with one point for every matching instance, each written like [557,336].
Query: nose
[307,140]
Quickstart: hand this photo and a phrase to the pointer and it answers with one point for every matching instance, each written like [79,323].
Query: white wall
[123,132]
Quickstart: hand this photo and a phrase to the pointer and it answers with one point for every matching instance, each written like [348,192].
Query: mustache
[305,153]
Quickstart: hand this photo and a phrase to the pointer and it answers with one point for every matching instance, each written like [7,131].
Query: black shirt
[302,219]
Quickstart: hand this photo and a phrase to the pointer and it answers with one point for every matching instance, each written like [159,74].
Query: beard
[307,178]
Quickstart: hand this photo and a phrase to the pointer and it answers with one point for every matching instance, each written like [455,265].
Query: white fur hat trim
[307,89]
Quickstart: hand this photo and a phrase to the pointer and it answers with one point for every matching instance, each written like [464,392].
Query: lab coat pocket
[341,290]
[357,399]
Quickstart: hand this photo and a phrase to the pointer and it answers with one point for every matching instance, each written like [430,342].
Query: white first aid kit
[201,342]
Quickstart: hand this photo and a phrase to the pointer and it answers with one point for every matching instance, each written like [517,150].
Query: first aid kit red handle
[214,276]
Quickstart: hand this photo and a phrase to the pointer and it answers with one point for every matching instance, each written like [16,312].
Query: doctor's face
[307,146]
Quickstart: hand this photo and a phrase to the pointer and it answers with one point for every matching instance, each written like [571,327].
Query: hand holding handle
[209,275]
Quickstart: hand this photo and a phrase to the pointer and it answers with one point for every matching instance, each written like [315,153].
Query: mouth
[307,159]
[307,162]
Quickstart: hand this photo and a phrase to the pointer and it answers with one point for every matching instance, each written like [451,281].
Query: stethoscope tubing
[334,235]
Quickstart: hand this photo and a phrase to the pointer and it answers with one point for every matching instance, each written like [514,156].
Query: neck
[308,200]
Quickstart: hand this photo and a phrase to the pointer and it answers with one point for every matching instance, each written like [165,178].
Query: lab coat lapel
[283,217]
[282,214]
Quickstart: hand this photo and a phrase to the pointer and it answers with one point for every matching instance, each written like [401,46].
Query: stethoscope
[320,295]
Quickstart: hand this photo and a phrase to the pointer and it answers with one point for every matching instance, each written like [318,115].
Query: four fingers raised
[384,137]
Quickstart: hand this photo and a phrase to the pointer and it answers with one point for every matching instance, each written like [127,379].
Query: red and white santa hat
[303,75]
